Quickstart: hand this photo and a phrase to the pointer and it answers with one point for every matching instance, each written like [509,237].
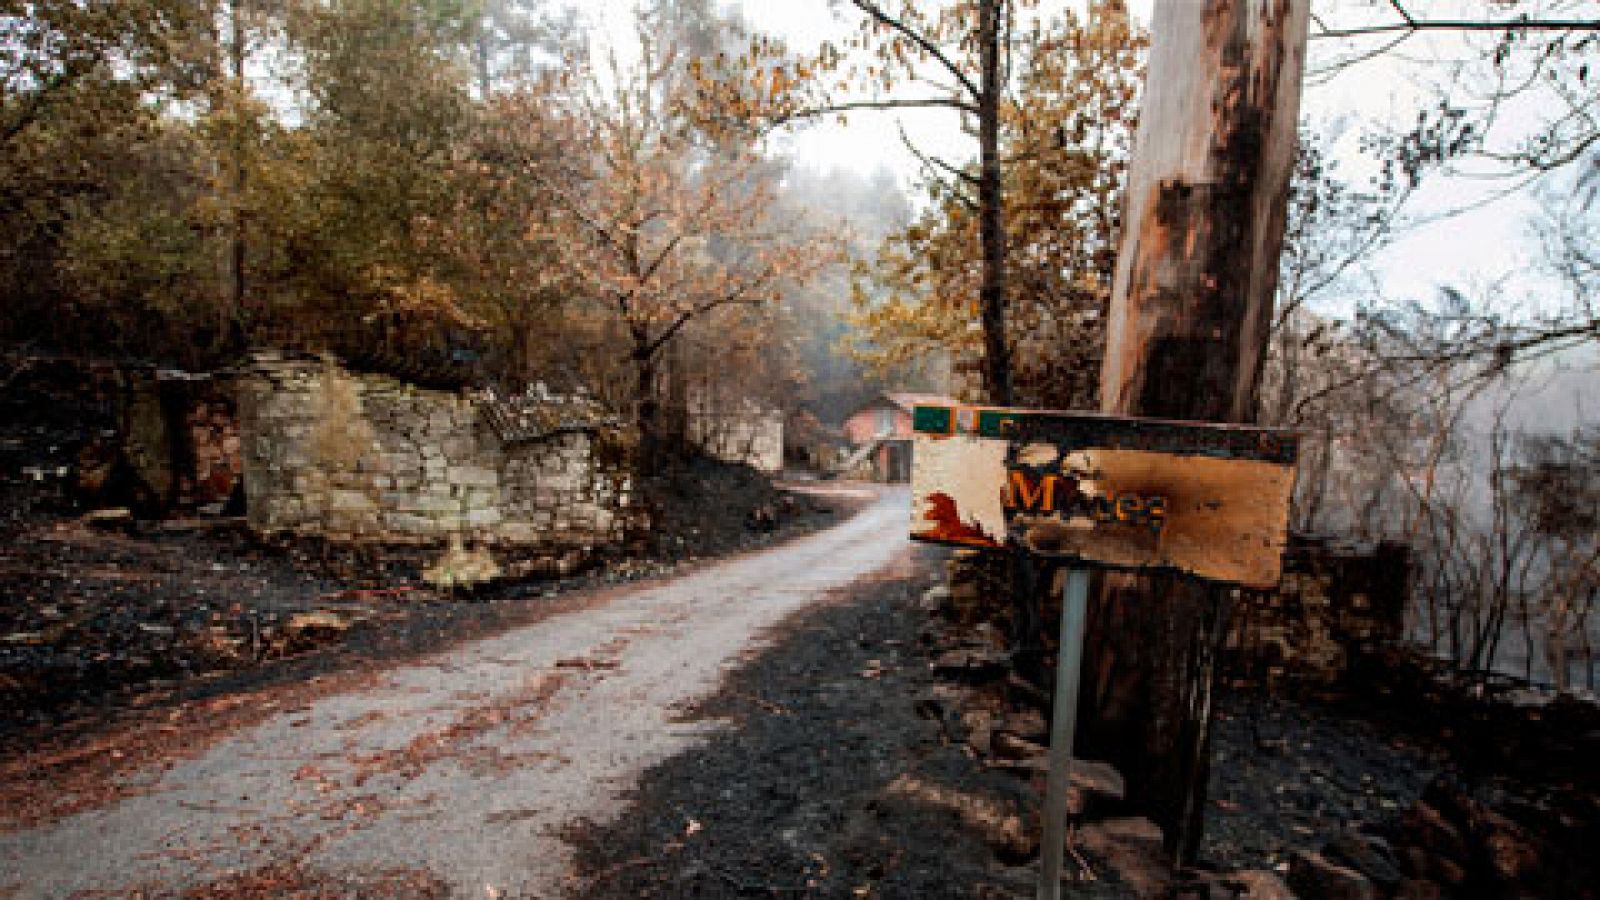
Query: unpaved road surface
[469,765]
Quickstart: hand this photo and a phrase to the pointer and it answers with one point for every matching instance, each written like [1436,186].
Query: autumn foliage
[451,189]
[1066,139]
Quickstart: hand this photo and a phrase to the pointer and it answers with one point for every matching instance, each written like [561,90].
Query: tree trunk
[991,211]
[648,410]
[480,60]
[232,332]
[1188,331]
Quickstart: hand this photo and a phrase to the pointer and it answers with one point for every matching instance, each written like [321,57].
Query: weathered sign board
[1206,500]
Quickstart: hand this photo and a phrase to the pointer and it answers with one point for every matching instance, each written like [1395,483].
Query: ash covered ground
[827,781]
[838,775]
[98,615]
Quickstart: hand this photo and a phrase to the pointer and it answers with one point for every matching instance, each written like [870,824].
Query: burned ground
[128,643]
[104,611]
[827,781]
[1445,792]
[91,617]
[835,777]
[1290,776]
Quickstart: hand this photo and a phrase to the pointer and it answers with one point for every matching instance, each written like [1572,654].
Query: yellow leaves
[778,84]
[422,297]
[665,231]
[1060,202]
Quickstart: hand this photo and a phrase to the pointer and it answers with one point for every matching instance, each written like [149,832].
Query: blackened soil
[1516,784]
[702,507]
[1291,775]
[94,621]
[827,783]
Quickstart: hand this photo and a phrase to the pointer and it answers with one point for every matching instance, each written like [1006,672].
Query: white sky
[1465,251]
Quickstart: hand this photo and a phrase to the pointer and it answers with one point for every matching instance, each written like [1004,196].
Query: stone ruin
[1337,604]
[366,457]
[739,433]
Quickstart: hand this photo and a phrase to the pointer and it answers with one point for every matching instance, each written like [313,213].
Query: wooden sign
[1211,501]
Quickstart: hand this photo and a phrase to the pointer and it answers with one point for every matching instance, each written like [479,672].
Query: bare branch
[661,257]
[1323,74]
[1413,24]
[1402,11]
[832,108]
[922,41]
[683,317]
[932,166]
[934,162]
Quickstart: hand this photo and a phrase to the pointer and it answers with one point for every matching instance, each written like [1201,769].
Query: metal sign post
[1063,722]
[1205,500]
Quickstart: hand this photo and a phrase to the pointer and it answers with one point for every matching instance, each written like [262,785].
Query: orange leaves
[1065,139]
[671,222]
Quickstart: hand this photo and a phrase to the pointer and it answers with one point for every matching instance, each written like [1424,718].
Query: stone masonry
[350,456]
[1336,605]
[752,436]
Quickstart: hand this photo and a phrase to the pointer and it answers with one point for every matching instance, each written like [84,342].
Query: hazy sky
[1465,250]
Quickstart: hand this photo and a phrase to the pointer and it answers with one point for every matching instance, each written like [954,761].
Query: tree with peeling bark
[666,227]
[1187,337]
[959,54]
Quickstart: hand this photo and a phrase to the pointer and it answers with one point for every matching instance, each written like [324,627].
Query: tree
[1513,101]
[513,42]
[1531,65]
[74,77]
[966,43]
[65,55]
[1065,142]
[1413,438]
[1556,489]
[1187,337]
[495,242]
[167,208]
[385,111]
[143,253]
[666,230]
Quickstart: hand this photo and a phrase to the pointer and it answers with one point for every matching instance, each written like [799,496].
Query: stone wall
[176,431]
[752,436]
[368,457]
[1336,604]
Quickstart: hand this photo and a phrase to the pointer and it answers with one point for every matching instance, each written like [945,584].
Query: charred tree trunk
[1188,332]
[991,212]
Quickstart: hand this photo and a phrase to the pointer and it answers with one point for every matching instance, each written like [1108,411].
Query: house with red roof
[880,432]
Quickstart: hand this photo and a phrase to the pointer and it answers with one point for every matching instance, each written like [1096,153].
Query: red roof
[907,401]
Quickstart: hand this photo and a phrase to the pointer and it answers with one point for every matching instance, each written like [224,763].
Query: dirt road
[461,770]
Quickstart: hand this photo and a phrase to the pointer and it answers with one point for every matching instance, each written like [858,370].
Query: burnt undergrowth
[98,618]
[827,782]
